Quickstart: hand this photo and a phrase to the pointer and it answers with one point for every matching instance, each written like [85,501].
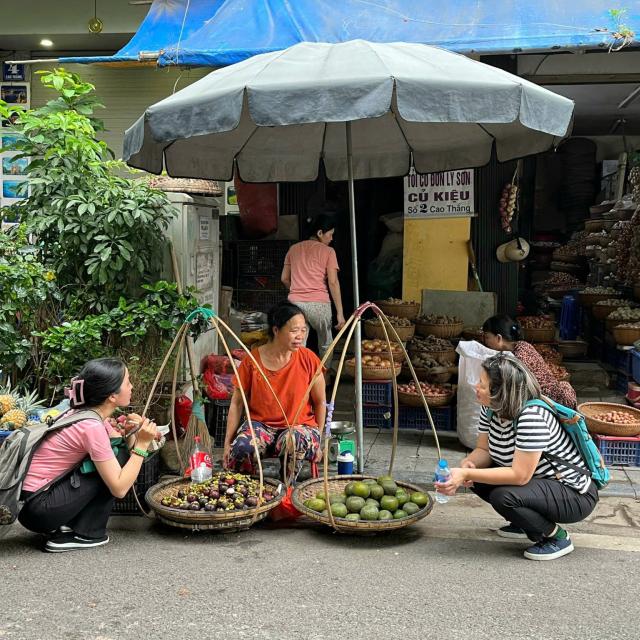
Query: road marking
[585,540]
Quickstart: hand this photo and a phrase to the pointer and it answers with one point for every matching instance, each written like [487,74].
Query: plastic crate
[377,392]
[149,475]
[622,383]
[258,300]
[621,359]
[635,365]
[216,413]
[264,257]
[619,450]
[4,435]
[416,418]
[375,415]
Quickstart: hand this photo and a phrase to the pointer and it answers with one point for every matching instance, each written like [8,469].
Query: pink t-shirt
[63,450]
[309,261]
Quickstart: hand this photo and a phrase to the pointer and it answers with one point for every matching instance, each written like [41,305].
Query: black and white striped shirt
[536,429]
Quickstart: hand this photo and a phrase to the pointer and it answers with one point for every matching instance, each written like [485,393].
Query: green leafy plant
[29,298]
[622,35]
[86,215]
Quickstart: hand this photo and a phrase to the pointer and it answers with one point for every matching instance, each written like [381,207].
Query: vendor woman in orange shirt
[289,367]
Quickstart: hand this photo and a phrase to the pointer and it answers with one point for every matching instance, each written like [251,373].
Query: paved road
[447,577]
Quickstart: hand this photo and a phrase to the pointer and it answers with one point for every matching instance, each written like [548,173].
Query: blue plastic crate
[635,365]
[623,360]
[416,418]
[619,450]
[4,435]
[375,415]
[622,383]
[377,392]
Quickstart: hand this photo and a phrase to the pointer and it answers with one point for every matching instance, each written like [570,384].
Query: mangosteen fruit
[181,494]
[251,501]
[194,506]
[214,494]
[192,497]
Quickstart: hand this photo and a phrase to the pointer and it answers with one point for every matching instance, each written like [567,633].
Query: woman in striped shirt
[525,464]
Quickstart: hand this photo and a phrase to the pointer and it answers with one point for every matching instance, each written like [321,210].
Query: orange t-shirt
[309,261]
[290,383]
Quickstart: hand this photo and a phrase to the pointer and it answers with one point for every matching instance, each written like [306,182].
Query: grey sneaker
[512,532]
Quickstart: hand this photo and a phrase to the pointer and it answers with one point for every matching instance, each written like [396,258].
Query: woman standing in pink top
[311,275]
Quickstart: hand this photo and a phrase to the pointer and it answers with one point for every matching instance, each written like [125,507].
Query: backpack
[574,424]
[16,453]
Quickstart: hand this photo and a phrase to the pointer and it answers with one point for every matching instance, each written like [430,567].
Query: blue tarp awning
[214,33]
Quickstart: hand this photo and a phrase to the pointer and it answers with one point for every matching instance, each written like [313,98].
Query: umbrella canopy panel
[278,114]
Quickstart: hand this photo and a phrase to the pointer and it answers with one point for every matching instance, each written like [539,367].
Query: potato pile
[536,322]
[374,361]
[394,320]
[431,343]
[436,319]
[616,417]
[429,390]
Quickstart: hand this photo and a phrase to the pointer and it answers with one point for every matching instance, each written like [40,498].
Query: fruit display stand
[340,510]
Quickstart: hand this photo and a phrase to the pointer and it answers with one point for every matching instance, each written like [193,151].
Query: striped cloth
[536,429]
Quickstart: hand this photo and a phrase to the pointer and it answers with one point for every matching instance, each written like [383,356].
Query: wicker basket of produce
[380,348]
[599,209]
[559,372]
[348,505]
[439,349]
[372,370]
[589,297]
[557,293]
[602,309]
[560,255]
[436,395]
[473,333]
[610,419]
[403,326]
[547,334]
[627,333]
[173,503]
[548,353]
[572,348]
[436,375]
[594,225]
[399,308]
[439,326]
[445,356]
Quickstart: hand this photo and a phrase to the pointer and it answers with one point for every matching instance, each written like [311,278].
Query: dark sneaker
[511,531]
[72,542]
[549,549]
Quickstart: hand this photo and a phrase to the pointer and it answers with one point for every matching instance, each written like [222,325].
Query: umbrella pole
[356,302]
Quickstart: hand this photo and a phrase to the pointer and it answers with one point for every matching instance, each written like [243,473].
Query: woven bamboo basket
[435,375]
[398,356]
[594,225]
[470,333]
[601,311]
[373,373]
[186,185]
[599,427]
[310,488]
[589,299]
[373,331]
[409,310]
[452,330]
[626,336]
[572,348]
[445,357]
[611,323]
[414,399]
[209,520]
[558,294]
[540,335]
[566,257]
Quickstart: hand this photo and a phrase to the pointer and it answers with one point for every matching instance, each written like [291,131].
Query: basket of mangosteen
[228,501]
[362,504]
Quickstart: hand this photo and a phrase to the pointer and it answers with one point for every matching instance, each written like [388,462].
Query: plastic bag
[285,510]
[472,354]
[217,386]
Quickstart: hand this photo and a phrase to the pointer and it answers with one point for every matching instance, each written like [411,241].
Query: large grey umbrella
[366,110]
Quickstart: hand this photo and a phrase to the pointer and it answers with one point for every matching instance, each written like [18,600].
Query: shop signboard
[444,194]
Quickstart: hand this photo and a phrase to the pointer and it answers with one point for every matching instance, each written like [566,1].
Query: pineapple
[16,418]
[8,399]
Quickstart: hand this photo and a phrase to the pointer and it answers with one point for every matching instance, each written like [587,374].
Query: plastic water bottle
[442,474]
[200,463]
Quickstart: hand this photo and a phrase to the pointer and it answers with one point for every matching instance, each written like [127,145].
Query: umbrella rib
[489,134]
[246,142]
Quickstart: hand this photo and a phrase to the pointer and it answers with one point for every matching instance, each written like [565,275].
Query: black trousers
[539,505]
[80,501]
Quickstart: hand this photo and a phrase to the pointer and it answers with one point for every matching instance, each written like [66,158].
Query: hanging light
[95,24]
